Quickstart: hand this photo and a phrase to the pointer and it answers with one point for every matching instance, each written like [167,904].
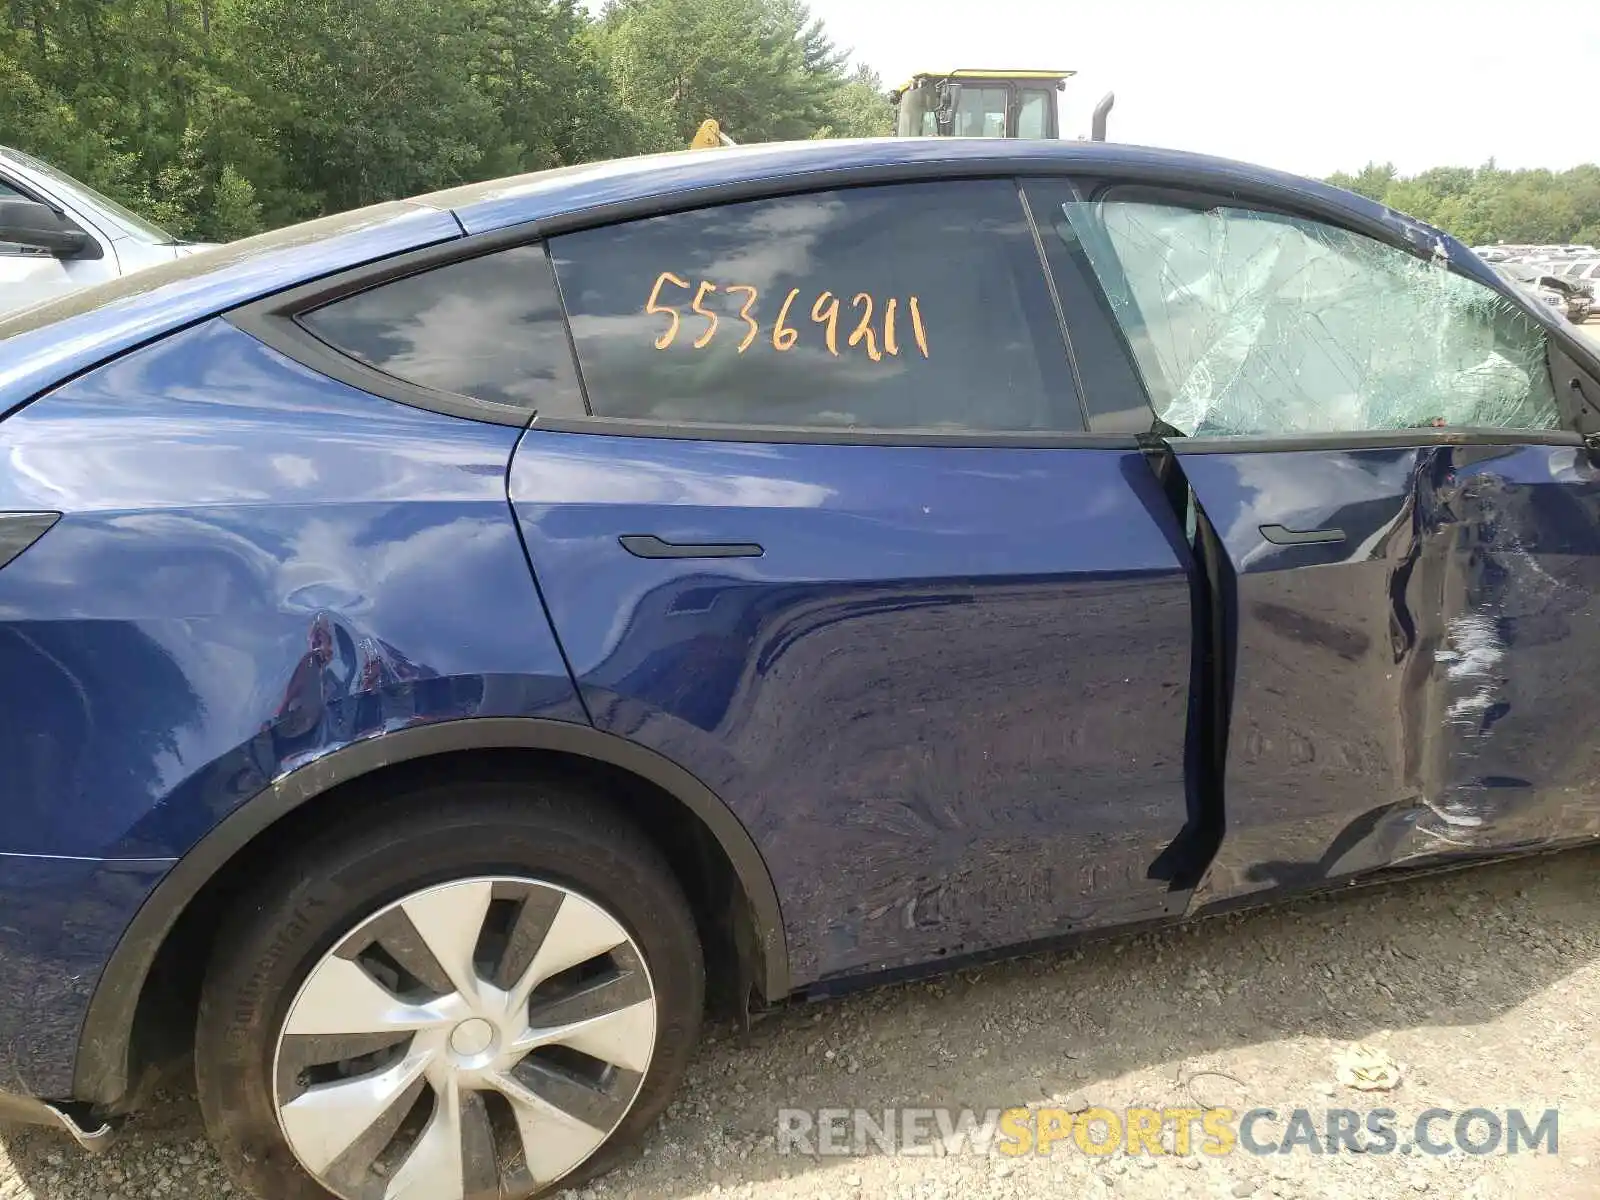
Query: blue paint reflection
[256,565]
[949,701]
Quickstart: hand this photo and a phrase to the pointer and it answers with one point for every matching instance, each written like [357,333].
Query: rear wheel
[478,992]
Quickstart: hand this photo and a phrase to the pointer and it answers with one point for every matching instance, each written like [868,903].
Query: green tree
[861,108]
[365,99]
[221,117]
[124,94]
[1488,204]
[1371,181]
[763,68]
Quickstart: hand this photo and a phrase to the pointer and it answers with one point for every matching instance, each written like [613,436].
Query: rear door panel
[949,698]
[834,539]
[1417,687]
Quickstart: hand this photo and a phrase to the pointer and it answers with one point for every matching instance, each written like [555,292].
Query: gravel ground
[1482,986]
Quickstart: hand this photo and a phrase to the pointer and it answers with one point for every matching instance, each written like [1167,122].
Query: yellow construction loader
[987,103]
[968,103]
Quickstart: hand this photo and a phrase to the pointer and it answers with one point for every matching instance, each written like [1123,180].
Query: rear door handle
[648,545]
[1282,535]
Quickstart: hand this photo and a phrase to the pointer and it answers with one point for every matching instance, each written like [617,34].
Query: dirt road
[1482,987]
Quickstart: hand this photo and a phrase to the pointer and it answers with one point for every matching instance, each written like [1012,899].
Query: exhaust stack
[1097,123]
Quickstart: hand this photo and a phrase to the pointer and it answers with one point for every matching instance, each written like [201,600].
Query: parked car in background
[1583,270]
[1569,297]
[1503,252]
[448,643]
[57,234]
[1578,294]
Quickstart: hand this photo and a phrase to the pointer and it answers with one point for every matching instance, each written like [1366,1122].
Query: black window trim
[25,190]
[821,435]
[1095,420]
[1577,419]
[1054,292]
[273,320]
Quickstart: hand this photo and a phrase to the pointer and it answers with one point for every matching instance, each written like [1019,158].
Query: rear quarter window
[487,327]
[901,307]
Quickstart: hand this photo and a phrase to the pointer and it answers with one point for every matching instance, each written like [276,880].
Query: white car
[1585,270]
[58,234]
[1545,287]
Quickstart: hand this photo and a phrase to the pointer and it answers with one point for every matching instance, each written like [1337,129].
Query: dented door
[1401,525]
[1413,650]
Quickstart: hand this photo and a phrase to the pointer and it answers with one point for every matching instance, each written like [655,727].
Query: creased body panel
[948,699]
[255,566]
[1417,688]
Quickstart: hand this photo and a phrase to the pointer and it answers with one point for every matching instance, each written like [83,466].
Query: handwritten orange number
[654,305]
[744,313]
[783,337]
[916,327]
[863,331]
[711,329]
[826,312]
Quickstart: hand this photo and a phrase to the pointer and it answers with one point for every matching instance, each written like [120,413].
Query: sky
[1309,87]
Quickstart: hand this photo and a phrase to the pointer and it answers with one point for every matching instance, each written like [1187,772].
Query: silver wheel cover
[478,1038]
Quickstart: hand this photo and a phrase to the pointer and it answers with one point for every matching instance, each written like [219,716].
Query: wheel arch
[102,1072]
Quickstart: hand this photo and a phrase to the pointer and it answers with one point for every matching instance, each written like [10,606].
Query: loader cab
[970,103]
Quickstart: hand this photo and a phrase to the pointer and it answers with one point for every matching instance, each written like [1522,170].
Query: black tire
[283,926]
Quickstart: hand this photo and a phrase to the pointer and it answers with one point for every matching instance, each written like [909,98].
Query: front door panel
[1414,644]
[945,688]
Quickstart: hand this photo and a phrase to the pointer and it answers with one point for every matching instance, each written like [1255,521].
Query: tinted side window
[912,306]
[488,327]
[1248,322]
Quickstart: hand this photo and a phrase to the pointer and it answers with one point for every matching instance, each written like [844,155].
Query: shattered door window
[1246,322]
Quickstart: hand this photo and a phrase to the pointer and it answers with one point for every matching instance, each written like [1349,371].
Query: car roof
[680,178]
[46,344]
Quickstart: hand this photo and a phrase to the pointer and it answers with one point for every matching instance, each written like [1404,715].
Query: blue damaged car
[451,645]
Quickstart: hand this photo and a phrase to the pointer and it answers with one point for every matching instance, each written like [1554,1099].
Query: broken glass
[1245,322]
